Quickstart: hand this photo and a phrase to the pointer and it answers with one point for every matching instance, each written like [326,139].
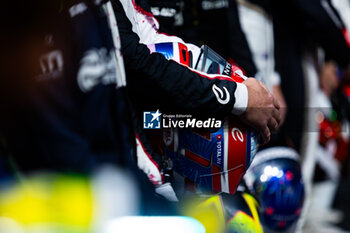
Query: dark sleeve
[171,84]
[323,24]
[239,49]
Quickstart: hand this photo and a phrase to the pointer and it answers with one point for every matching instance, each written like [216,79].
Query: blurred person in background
[257,26]
[298,27]
[62,79]
[65,107]
[300,30]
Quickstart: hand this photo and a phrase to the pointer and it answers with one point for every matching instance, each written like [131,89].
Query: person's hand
[328,78]
[262,111]
[277,93]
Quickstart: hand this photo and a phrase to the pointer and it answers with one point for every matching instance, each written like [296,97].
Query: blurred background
[67,154]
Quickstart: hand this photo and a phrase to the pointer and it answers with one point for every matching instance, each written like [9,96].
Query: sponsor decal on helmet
[237,132]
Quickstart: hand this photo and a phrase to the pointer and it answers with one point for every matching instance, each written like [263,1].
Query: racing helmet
[225,213]
[202,59]
[275,179]
[216,159]
[241,211]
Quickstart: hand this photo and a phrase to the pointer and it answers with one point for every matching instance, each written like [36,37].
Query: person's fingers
[273,125]
[265,135]
[276,103]
[276,114]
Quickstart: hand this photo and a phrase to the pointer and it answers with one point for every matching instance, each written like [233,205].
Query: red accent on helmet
[234,64]
[184,55]
[216,179]
[347,91]
[298,211]
[346,36]
[237,145]
[269,211]
[282,223]
[197,158]
[289,175]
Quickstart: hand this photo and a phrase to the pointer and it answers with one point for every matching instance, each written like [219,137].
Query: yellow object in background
[210,213]
[61,203]
[243,222]
[236,213]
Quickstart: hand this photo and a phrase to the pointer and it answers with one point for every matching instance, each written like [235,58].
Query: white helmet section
[176,48]
[196,51]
